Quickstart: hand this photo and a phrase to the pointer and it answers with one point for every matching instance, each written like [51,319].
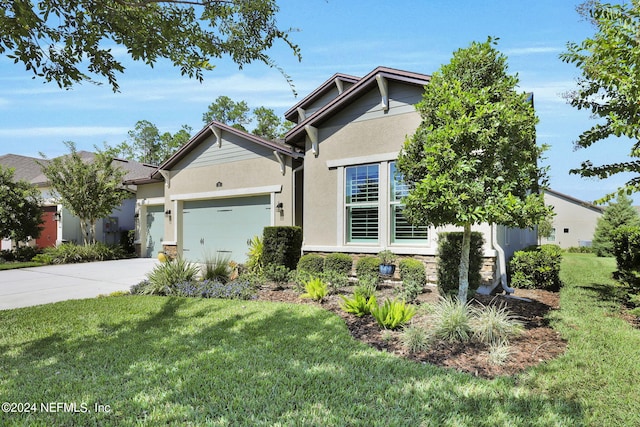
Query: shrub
[7,255]
[366,286]
[368,266]
[413,278]
[165,276]
[282,246]
[338,262]
[278,274]
[237,289]
[25,253]
[217,268]
[358,305]
[43,259]
[335,280]
[415,339]
[536,267]
[452,320]
[449,252]
[300,278]
[494,324]
[316,289]
[67,253]
[393,314]
[255,261]
[626,249]
[311,263]
[581,250]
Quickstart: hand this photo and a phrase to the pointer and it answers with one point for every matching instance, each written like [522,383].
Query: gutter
[502,265]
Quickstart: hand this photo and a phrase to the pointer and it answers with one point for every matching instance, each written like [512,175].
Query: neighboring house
[216,193]
[334,175]
[575,220]
[59,224]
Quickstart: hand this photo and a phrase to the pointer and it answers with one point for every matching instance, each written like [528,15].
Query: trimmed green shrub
[536,267]
[413,278]
[338,262]
[335,280]
[276,273]
[368,266]
[626,249]
[25,253]
[449,252]
[311,263]
[71,253]
[282,246]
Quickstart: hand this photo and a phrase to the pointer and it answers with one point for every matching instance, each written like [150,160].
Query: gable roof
[292,113]
[200,137]
[579,202]
[295,135]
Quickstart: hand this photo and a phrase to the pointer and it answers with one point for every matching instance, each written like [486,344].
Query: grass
[185,361]
[14,265]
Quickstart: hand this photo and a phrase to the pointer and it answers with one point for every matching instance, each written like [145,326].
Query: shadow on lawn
[251,363]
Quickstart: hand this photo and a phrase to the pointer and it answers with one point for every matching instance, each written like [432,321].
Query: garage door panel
[223,226]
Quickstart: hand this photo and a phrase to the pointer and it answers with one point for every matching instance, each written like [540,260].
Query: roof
[571,199]
[358,89]
[28,169]
[205,133]
[292,113]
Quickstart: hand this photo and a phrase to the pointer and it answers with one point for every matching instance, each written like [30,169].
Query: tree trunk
[93,232]
[463,278]
[84,231]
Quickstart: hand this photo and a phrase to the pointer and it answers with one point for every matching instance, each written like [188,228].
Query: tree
[147,145]
[473,158]
[237,115]
[609,86]
[615,216]
[70,42]
[90,189]
[229,112]
[20,210]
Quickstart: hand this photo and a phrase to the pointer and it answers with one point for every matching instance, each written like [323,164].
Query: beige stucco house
[574,222]
[334,175]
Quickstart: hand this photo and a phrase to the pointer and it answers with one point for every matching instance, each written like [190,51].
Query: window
[361,194]
[402,231]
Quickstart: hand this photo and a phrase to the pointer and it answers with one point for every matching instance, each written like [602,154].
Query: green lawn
[14,265]
[176,361]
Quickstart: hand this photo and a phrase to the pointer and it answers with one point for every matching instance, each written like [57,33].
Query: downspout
[293,195]
[502,265]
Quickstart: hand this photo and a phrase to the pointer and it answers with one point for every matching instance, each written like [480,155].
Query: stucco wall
[574,223]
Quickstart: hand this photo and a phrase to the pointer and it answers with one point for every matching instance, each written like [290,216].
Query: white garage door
[223,226]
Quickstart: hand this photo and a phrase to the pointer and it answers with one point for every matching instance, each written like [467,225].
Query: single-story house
[575,221]
[60,225]
[334,175]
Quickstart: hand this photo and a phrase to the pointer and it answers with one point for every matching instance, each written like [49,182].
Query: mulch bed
[537,344]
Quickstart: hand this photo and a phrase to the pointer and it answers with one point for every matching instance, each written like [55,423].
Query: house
[334,175]
[575,221]
[59,224]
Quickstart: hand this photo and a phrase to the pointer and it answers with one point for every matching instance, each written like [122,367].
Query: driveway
[24,287]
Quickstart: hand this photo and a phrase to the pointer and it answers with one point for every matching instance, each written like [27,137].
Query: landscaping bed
[538,343]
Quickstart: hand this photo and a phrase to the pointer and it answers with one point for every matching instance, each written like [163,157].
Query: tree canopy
[473,159]
[89,189]
[72,41]
[609,87]
[618,214]
[20,210]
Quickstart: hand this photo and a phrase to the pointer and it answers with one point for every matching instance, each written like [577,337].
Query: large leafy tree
[89,189]
[71,41]
[473,159]
[20,210]
[268,124]
[609,86]
[617,214]
[147,145]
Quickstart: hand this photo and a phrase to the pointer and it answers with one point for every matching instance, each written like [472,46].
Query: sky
[346,36]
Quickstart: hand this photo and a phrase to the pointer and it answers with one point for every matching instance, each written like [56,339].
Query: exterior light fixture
[167,212]
[57,216]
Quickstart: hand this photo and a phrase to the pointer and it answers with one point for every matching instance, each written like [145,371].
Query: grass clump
[393,313]
[165,276]
[415,338]
[452,320]
[494,324]
[359,305]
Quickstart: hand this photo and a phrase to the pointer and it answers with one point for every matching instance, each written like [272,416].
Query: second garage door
[223,226]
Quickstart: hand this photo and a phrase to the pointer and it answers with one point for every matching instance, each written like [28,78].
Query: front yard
[185,361]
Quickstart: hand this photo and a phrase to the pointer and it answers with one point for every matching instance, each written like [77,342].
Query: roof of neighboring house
[200,137]
[570,199]
[28,169]
[292,113]
[295,135]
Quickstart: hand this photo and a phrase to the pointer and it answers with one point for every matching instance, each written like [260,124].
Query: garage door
[223,226]
[155,230]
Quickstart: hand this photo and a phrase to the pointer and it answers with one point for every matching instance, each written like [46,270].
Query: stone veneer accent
[171,251]
[488,270]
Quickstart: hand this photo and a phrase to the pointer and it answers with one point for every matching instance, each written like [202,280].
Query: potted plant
[387,268]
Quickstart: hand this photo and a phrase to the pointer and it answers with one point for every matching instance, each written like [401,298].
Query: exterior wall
[574,223]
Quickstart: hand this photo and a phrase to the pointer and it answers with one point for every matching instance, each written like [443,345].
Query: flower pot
[387,269]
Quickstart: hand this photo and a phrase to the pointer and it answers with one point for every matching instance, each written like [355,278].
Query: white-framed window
[401,230]
[361,201]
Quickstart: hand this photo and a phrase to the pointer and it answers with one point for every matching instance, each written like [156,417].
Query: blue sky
[347,36]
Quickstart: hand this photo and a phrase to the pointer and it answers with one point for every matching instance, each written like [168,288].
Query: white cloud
[65,132]
[533,50]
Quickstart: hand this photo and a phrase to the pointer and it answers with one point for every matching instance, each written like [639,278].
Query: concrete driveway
[24,287]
